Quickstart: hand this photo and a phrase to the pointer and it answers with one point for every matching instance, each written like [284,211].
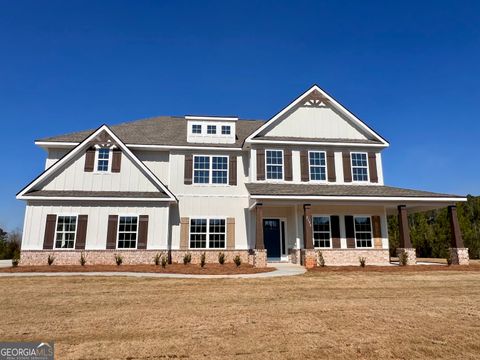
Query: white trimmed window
[65,232]
[103,159]
[321,232]
[196,129]
[318,165]
[359,167]
[207,233]
[226,129]
[209,169]
[211,129]
[127,232]
[274,164]
[363,231]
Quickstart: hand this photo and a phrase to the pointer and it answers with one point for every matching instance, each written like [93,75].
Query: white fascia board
[211,118]
[359,198]
[46,144]
[83,198]
[255,141]
[333,101]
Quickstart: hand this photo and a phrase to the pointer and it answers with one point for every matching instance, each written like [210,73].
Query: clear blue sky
[410,70]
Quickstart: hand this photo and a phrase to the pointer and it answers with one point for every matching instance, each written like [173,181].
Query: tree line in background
[9,244]
[430,231]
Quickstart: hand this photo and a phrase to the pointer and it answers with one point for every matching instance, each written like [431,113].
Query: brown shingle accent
[142,232]
[184,231]
[347,168]
[112,231]
[49,236]
[230,233]
[81,231]
[377,231]
[372,167]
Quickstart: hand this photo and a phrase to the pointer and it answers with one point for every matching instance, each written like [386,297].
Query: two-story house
[308,180]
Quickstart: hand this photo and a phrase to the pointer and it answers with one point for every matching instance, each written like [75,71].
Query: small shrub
[118,259]
[82,260]
[164,261]
[15,258]
[221,258]
[15,262]
[449,260]
[50,259]
[362,260]
[403,258]
[157,259]
[237,260]
[320,259]
[187,258]
[202,260]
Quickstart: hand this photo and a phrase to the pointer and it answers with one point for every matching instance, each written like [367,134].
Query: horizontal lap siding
[97,223]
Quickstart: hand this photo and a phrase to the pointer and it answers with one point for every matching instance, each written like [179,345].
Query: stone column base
[294,256]
[459,256]
[260,258]
[309,258]
[411,255]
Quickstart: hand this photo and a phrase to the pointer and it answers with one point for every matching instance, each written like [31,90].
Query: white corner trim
[340,107]
[79,147]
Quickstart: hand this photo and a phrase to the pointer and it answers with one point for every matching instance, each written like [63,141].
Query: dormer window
[225,129]
[211,129]
[196,129]
[103,159]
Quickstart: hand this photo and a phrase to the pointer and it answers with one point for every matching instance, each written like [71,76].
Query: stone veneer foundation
[135,257]
[459,256]
[342,257]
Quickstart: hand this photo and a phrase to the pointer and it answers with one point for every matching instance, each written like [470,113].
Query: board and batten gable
[320,122]
[74,177]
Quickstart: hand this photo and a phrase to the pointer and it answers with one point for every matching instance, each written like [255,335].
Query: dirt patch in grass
[319,315]
[209,269]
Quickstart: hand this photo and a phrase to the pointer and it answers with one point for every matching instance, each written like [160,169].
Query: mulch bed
[209,269]
[396,269]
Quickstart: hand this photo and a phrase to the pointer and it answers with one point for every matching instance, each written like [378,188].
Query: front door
[272,236]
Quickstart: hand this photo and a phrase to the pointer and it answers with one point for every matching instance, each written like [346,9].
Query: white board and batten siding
[97,226]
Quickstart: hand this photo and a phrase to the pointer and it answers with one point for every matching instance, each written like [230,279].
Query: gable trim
[295,102]
[22,194]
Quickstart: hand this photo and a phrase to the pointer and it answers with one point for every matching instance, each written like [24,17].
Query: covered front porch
[300,229]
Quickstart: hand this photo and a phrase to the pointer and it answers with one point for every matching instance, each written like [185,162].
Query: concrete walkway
[282,269]
[5,263]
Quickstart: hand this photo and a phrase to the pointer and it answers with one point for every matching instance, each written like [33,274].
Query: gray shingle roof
[339,190]
[99,194]
[161,130]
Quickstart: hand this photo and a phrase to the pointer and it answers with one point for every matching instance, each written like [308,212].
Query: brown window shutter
[188,169]
[81,231]
[112,231]
[232,170]
[142,232]
[260,164]
[184,231]
[304,168]
[49,231]
[230,233]
[89,160]
[116,160]
[332,177]
[372,167]
[287,159]
[350,231]
[347,167]
[335,223]
[377,231]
